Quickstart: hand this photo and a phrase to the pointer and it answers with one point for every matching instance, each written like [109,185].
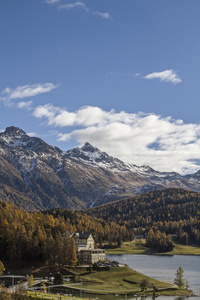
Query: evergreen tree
[179,281]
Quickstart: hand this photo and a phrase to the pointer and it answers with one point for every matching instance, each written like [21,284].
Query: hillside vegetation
[32,236]
[37,237]
[172,211]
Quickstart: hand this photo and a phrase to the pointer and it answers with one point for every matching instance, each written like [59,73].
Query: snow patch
[95,200]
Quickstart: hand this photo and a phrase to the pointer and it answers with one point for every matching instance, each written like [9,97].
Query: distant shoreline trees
[159,241]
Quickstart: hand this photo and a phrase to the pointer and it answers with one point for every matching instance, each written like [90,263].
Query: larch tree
[2,269]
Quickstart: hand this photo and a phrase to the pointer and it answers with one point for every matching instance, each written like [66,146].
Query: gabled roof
[83,234]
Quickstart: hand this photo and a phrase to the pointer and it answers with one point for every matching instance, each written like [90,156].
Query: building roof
[83,234]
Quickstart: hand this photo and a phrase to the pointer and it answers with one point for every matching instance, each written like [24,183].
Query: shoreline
[156,254]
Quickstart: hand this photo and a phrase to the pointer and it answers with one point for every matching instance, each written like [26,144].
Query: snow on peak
[12,135]
[87,147]
[13,131]
[93,156]
[87,153]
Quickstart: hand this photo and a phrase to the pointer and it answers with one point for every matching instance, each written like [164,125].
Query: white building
[84,245]
[83,240]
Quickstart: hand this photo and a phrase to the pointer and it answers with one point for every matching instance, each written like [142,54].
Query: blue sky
[122,75]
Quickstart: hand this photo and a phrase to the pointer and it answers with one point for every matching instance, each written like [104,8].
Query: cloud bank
[167,76]
[163,143]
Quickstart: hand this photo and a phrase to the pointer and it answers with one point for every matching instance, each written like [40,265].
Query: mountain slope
[35,175]
[171,211]
[169,205]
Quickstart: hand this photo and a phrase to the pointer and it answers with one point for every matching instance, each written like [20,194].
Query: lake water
[164,268]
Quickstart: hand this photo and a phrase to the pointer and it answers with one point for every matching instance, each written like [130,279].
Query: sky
[121,75]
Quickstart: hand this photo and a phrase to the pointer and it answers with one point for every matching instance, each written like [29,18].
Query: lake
[163,268]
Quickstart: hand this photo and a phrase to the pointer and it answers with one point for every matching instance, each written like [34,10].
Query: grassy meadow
[124,280]
[138,247]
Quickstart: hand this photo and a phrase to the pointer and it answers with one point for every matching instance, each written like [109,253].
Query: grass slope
[138,247]
[123,280]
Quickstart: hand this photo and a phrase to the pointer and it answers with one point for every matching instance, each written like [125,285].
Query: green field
[123,280]
[138,247]
[185,250]
[133,247]
[108,281]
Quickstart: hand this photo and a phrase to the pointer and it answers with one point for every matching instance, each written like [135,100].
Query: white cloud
[104,15]
[77,4]
[163,143]
[45,111]
[26,91]
[52,1]
[25,105]
[74,5]
[167,76]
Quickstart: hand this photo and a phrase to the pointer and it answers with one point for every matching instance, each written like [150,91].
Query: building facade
[89,257]
[84,246]
[83,240]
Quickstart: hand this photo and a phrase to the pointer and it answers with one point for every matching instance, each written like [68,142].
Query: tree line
[45,236]
[172,211]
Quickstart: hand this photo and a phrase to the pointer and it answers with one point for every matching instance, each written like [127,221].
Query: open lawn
[138,247]
[185,250]
[133,247]
[122,280]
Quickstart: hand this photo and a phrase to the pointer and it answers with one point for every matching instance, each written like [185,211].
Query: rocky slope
[35,175]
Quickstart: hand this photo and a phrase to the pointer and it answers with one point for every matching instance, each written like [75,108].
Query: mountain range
[37,176]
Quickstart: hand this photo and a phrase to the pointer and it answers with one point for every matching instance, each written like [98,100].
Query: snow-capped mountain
[35,175]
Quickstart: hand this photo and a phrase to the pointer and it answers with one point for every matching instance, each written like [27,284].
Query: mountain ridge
[39,176]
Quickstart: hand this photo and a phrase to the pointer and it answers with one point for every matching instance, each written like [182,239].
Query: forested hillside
[173,211]
[29,237]
[32,236]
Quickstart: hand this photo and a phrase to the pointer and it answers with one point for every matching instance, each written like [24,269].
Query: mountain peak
[88,153]
[14,131]
[12,135]
[87,147]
